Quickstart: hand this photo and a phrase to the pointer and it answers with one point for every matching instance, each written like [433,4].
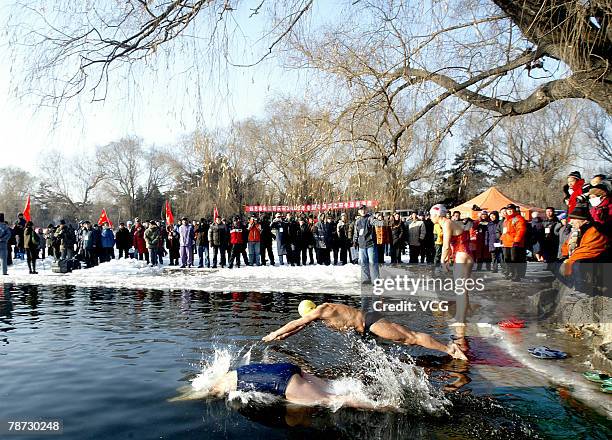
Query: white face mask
[570,191]
[595,201]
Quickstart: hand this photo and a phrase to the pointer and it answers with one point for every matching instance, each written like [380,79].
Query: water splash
[384,381]
[379,380]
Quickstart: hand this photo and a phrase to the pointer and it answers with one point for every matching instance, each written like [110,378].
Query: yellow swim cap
[306,307]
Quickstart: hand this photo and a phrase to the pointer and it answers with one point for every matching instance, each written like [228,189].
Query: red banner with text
[354,204]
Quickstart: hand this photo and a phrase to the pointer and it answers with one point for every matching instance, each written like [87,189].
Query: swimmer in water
[287,381]
[343,318]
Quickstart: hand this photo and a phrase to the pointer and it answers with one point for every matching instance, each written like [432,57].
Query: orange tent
[493,200]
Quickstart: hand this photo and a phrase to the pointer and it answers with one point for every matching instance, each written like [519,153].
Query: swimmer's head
[437,211]
[306,307]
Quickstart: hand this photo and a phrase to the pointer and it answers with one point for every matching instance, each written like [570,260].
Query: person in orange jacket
[592,243]
[513,242]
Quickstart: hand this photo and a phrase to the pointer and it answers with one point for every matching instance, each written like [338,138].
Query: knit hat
[575,174]
[579,213]
[599,190]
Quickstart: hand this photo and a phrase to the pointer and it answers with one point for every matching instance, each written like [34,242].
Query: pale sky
[160,115]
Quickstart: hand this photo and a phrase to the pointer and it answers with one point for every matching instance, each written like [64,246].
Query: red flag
[169,215]
[26,211]
[104,219]
[215,213]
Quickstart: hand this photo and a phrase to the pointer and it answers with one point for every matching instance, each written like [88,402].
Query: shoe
[214,267]
[200,267]
[183,266]
[230,266]
[34,272]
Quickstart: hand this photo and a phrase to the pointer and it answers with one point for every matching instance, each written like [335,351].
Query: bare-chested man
[343,318]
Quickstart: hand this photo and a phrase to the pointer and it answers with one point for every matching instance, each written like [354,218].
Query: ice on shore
[130,273]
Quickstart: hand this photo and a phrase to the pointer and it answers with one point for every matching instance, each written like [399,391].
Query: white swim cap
[438,209]
[306,307]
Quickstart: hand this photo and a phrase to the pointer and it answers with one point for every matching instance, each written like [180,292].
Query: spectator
[564,231]
[382,237]
[123,241]
[107,238]
[97,239]
[493,240]
[536,236]
[365,238]
[186,234]
[293,241]
[323,237]
[416,235]
[254,242]
[18,229]
[140,245]
[397,238]
[237,240]
[201,241]
[42,243]
[550,245]
[332,230]
[279,226]
[344,242]
[456,216]
[30,243]
[600,206]
[65,238]
[266,241]
[428,249]
[50,241]
[478,241]
[152,238]
[305,239]
[216,238]
[5,236]
[173,244]
[513,240]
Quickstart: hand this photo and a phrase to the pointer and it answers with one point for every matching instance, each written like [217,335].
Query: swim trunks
[370,319]
[266,378]
[460,243]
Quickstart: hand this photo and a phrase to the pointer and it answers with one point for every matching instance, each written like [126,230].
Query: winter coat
[323,235]
[478,239]
[152,237]
[398,233]
[514,230]
[537,236]
[266,233]
[602,213]
[217,235]
[88,239]
[382,233]
[139,241]
[201,235]
[66,236]
[108,238]
[254,235]
[173,242]
[293,237]
[279,227]
[564,233]
[237,235]
[429,234]
[123,239]
[306,235]
[364,235]
[592,246]
[342,231]
[5,234]
[187,234]
[416,232]
[97,237]
[492,236]
[30,239]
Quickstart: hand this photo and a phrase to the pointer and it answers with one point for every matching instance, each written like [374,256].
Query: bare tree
[70,180]
[15,185]
[597,129]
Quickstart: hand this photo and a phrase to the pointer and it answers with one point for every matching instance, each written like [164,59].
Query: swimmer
[343,318]
[455,246]
[287,381]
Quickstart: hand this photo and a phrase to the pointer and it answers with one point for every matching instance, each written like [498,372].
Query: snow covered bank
[127,273]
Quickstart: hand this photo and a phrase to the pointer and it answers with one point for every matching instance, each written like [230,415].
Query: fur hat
[579,213]
[599,190]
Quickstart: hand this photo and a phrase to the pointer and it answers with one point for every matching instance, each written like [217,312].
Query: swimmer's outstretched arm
[292,327]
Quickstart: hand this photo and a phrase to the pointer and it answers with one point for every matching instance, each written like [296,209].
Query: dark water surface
[107,361]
